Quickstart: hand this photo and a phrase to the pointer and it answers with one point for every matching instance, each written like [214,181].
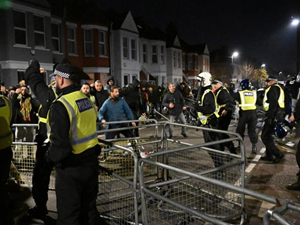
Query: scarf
[26,107]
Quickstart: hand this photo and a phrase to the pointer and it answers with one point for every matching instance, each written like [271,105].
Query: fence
[173,183]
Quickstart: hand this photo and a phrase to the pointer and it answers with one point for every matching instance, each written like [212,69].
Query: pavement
[266,178]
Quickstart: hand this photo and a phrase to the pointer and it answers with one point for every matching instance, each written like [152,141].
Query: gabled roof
[173,41]
[124,21]
[200,49]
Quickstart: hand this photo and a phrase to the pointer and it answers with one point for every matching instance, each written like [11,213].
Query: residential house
[195,60]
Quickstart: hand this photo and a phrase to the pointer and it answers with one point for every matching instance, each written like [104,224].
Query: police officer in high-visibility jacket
[207,113]
[6,138]
[74,149]
[273,104]
[225,106]
[247,114]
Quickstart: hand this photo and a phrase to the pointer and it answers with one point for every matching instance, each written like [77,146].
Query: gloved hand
[34,67]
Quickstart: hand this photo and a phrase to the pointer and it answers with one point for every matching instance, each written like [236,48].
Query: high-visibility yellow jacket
[204,118]
[280,99]
[248,100]
[6,136]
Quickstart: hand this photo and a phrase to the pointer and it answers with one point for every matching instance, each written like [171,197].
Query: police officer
[296,117]
[247,114]
[74,149]
[225,106]
[273,104]
[207,113]
[42,169]
[6,138]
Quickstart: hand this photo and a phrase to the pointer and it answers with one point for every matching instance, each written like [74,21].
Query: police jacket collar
[69,89]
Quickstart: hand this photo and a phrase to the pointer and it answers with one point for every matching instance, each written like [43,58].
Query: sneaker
[278,158]
[266,158]
[254,149]
[38,213]
[294,186]
[184,135]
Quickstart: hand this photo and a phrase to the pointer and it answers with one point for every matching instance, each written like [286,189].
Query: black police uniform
[296,185]
[225,100]
[42,169]
[76,174]
[208,107]
[273,115]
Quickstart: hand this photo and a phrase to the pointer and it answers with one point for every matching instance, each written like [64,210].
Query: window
[55,28]
[134,76]
[190,62]
[88,43]
[174,59]
[102,44]
[125,48]
[145,57]
[39,31]
[133,50]
[21,75]
[162,56]
[179,60]
[72,40]
[154,54]
[20,28]
[183,62]
[196,62]
[126,79]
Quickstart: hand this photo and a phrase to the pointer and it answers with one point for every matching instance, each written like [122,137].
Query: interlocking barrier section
[173,183]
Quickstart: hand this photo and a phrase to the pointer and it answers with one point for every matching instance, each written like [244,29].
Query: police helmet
[245,84]
[205,79]
[281,130]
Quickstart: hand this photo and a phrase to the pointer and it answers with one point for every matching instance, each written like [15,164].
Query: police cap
[69,71]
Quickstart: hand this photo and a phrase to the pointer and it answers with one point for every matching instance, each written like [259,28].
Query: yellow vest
[82,114]
[280,99]
[220,106]
[248,100]
[42,119]
[203,118]
[6,136]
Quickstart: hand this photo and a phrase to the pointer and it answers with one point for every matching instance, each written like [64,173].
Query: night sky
[255,28]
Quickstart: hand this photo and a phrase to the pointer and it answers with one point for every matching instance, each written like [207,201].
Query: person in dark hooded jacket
[110,81]
[100,94]
[133,97]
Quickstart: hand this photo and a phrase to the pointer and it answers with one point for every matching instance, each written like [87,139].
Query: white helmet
[205,78]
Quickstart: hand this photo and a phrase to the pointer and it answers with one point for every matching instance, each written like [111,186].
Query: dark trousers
[76,194]
[248,118]
[223,124]
[6,216]
[266,137]
[210,137]
[126,133]
[41,177]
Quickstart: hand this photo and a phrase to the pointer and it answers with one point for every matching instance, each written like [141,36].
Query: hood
[109,78]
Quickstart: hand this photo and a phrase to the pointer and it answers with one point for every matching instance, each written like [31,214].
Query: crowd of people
[67,114]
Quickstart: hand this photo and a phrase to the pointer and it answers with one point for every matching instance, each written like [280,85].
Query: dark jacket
[60,149]
[208,106]
[43,93]
[297,112]
[225,98]
[107,86]
[175,98]
[100,96]
[274,109]
[133,97]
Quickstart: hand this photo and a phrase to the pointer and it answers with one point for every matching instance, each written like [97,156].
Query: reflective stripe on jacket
[280,99]
[204,118]
[82,114]
[248,100]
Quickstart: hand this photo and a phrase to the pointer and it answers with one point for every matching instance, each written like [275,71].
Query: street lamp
[295,23]
[263,65]
[234,55]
